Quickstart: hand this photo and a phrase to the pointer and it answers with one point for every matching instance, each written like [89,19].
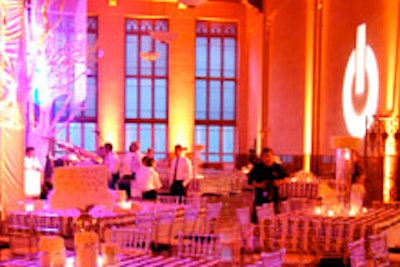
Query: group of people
[138,172]
[267,174]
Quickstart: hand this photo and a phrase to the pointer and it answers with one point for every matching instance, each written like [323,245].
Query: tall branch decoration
[58,61]
[10,36]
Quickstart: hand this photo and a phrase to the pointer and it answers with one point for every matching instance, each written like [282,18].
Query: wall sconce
[112,2]
[191,3]
[164,37]
[150,55]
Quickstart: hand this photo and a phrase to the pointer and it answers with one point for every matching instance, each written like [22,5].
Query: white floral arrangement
[51,244]
[86,238]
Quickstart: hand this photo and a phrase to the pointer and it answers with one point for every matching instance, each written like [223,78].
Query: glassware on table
[52,251]
[109,252]
[86,248]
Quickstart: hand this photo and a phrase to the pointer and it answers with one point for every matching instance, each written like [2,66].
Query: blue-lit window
[78,124]
[215,114]
[146,86]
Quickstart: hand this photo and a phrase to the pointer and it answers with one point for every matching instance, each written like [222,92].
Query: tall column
[111,79]
[181,104]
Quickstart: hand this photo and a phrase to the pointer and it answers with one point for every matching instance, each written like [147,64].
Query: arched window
[216,53]
[146,85]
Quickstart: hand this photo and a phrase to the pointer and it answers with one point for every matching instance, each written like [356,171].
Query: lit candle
[125,205]
[69,262]
[29,207]
[99,261]
[365,210]
[352,213]
[109,252]
[317,210]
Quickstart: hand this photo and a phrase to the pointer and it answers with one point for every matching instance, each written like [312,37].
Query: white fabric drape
[11,168]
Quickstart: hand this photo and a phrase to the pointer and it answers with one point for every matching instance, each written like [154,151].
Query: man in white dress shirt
[180,173]
[33,173]
[130,167]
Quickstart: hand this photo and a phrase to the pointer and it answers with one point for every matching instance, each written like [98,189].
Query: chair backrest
[196,245]
[190,219]
[197,201]
[243,215]
[46,224]
[145,219]
[273,259]
[163,226]
[169,199]
[357,253]
[213,212]
[132,240]
[19,222]
[265,211]
[378,249]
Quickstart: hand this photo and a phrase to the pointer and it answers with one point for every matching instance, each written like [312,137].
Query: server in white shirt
[148,179]
[131,165]
[33,173]
[180,173]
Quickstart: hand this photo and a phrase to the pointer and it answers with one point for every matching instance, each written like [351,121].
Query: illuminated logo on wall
[362,61]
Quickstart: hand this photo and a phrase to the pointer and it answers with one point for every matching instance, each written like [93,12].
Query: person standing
[148,179]
[150,153]
[33,173]
[358,168]
[265,177]
[131,165]
[180,173]
[112,162]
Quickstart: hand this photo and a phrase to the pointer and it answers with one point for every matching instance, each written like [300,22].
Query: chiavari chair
[247,235]
[357,253]
[19,229]
[132,240]
[211,218]
[272,259]
[198,245]
[379,251]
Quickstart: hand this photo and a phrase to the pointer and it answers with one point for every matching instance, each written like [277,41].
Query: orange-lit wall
[181,65]
[276,72]
[341,19]
[287,76]
[288,67]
